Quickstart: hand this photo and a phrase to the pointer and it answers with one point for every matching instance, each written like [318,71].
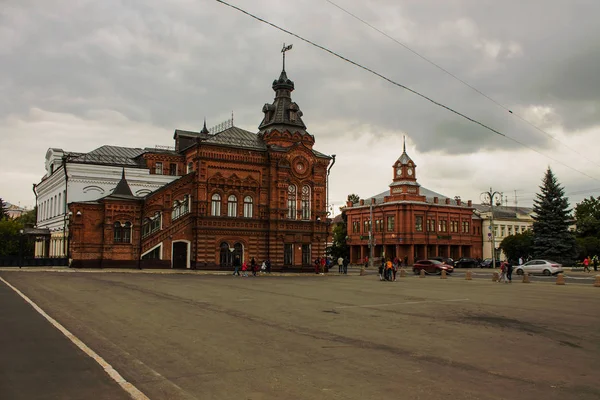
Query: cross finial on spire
[283,50]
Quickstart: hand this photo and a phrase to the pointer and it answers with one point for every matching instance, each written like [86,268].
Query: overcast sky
[78,74]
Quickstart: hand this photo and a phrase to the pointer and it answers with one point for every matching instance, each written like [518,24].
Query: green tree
[339,247]
[9,237]
[518,245]
[354,198]
[28,218]
[587,215]
[551,236]
[588,246]
[3,210]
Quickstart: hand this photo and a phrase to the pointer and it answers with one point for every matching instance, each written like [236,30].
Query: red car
[432,267]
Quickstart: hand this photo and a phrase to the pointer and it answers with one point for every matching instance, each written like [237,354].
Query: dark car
[431,267]
[489,263]
[466,262]
[445,260]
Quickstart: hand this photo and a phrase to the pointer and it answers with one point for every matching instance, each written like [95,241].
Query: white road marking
[134,392]
[398,304]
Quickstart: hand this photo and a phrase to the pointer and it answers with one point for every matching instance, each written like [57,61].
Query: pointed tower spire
[123,187]
[204,130]
[404,145]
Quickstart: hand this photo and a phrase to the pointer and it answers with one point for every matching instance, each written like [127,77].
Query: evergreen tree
[552,239]
[3,210]
[339,247]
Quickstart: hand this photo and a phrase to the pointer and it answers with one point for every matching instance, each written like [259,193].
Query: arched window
[185,205]
[248,207]
[305,202]
[122,232]
[292,202]
[232,206]
[151,224]
[215,206]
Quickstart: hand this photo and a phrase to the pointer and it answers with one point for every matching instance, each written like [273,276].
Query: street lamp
[491,197]
[20,248]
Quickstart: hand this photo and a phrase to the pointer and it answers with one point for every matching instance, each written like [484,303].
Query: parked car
[432,267]
[545,267]
[466,262]
[489,263]
[445,260]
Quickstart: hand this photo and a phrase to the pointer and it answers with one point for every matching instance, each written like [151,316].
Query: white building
[89,176]
[507,221]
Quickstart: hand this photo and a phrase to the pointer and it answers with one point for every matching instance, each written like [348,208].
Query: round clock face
[300,167]
[399,171]
[410,171]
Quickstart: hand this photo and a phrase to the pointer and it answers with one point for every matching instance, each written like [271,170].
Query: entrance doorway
[180,255]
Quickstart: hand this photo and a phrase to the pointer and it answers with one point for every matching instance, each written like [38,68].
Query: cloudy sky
[77,74]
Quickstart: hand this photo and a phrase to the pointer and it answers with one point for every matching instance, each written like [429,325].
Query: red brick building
[408,220]
[254,195]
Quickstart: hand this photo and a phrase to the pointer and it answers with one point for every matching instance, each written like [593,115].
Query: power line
[459,79]
[333,53]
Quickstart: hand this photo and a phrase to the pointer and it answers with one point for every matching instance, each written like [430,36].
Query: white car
[545,267]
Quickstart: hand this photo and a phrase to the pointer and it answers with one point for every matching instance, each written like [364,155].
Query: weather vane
[283,50]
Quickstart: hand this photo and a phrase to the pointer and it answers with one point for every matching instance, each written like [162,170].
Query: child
[244,269]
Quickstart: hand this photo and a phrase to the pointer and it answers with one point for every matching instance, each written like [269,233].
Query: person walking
[520,260]
[346,262]
[586,264]
[502,276]
[253,266]
[323,264]
[268,262]
[317,265]
[244,269]
[395,268]
[406,261]
[595,262]
[236,266]
[509,270]
[388,270]
[381,269]
[340,262]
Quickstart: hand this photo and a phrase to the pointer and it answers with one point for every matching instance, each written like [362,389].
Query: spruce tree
[3,210]
[552,239]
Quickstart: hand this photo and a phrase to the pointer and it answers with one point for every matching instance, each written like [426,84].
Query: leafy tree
[9,237]
[587,215]
[518,245]
[3,210]
[339,247]
[587,246]
[551,236]
[354,198]
[28,218]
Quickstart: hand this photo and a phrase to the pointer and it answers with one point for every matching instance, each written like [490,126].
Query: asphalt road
[196,336]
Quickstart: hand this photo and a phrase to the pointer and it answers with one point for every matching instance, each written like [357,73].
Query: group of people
[506,269]
[590,261]
[389,268]
[343,265]
[253,267]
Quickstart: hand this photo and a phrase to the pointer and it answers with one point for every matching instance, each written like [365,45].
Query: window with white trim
[232,206]
[248,207]
[215,205]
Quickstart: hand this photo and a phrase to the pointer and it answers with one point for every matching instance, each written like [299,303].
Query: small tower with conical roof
[404,185]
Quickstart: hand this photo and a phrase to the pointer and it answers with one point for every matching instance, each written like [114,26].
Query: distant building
[410,221]
[507,221]
[14,211]
[234,194]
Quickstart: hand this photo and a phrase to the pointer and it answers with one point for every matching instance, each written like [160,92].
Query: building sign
[444,237]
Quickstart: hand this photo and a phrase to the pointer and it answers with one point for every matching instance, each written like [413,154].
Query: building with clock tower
[235,195]
[412,222]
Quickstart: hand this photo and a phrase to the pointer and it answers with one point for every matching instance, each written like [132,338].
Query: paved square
[198,336]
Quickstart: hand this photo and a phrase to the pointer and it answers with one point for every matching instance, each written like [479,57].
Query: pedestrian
[268,265]
[367,262]
[520,260]
[323,264]
[253,266]
[406,261]
[236,266]
[395,267]
[340,262]
[502,276]
[244,269]
[263,267]
[388,270]
[586,264]
[317,265]
[509,270]
[346,262]
[595,261]
[381,270]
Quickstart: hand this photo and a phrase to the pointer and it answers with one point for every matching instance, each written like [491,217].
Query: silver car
[545,267]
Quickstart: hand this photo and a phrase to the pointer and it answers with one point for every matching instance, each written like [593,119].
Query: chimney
[436,200]
[373,200]
[458,202]
[349,203]
[469,203]
[361,202]
[447,201]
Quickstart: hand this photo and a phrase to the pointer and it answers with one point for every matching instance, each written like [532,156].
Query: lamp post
[490,197]
[20,248]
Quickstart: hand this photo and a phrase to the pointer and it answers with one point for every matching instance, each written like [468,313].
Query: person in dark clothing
[509,269]
[253,266]
[346,262]
[406,261]
[236,266]
[268,262]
